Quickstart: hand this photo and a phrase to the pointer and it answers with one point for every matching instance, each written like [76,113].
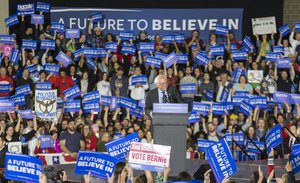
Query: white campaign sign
[46,104]
[265,25]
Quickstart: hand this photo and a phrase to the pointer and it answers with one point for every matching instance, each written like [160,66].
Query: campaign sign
[43,85]
[91,63]
[233,46]
[281,97]
[284,29]
[114,103]
[127,103]
[29,44]
[167,39]
[97,17]
[72,33]
[18,99]
[238,137]
[246,108]
[162,56]
[170,59]
[274,138]
[32,68]
[194,117]
[78,53]
[202,58]
[182,58]
[138,112]
[295,147]
[46,104]
[37,19]
[221,30]
[209,94]
[90,52]
[239,55]
[46,141]
[297,26]
[188,88]
[179,38]
[25,9]
[247,43]
[105,100]
[221,160]
[140,79]
[253,149]
[224,95]
[51,68]
[102,52]
[91,96]
[278,49]
[129,49]
[126,35]
[72,106]
[11,20]
[23,168]
[24,89]
[7,39]
[62,57]
[47,44]
[295,161]
[120,147]
[203,144]
[217,50]
[295,98]
[43,7]
[284,63]
[5,88]
[219,108]
[229,106]
[72,92]
[26,114]
[146,47]
[98,164]
[5,99]
[7,106]
[272,57]
[59,27]
[258,101]
[112,46]
[201,108]
[91,106]
[144,156]
[153,60]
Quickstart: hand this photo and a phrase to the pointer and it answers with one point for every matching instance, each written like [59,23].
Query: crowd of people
[75,131]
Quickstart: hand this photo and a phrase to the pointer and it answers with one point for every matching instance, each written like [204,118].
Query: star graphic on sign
[55,160]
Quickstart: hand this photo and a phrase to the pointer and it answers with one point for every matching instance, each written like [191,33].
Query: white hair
[159,76]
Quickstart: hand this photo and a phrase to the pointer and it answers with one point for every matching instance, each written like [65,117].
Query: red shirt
[63,83]
[91,143]
[6,80]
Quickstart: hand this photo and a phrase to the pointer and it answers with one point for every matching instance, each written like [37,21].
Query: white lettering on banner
[222,160]
[25,6]
[95,162]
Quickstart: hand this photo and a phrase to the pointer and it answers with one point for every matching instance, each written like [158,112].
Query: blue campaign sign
[43,7]
[129,49]
[126,35]
[295,147]
[11,20]
[102,52]
[24,89]
[203,144]
[161,56]
[15,55]
[179,38]
[237,73]
[233,46]
[284,29]
[239,55]
[201,108]
[202,58]
[219,108]
[238,137]
[127,103]
[170,59]
[194,117]
[29,44]
[295,98]
[120,147]
[188,88]
[43,85]
[23,168]
[97,17]
[209,95]
[278,49]
[51,68]
[229,106]
[59,27]
[25,9]
[272,57]
[5,99]
[63,58]
[91,63]
[258,101]
[47,44]
[37,19]
[89,106]
[274,137]
[18,99]
[247,43]
[7,39]
[7,106]
[253,149]
[46,141]
[32,68]
[217,50]
[5,87]
[105,100]
[167,39]
[245,108]
[72,33]
[142,103]
[138,112]
[90,52]
[146,47]
[221,160]
[72,106]
[91,96]
[154,21]
[284,63]
[297,26]
[139,79]
[153,60]
[78,53]
[26,114]
[281,97]
[182,58]
[97,163]
[295,161]
[224,95]
[72,92]
[112,46]
[114,103]
[221,30]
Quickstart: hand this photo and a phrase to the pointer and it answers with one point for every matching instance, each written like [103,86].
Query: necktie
[164,98]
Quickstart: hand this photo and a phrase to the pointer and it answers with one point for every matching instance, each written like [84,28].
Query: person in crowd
[137,92]
[119,83]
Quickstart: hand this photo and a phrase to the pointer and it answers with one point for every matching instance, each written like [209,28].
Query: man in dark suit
[3,150]
[162,94]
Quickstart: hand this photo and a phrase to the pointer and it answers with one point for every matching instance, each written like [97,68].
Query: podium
[169,128]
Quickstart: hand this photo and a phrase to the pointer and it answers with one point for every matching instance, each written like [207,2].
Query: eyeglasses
[162,83]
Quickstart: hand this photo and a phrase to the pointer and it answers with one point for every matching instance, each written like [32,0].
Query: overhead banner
[154,21]
[45,104]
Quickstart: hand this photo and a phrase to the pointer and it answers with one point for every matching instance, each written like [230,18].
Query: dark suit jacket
[153,97]
[2,157]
